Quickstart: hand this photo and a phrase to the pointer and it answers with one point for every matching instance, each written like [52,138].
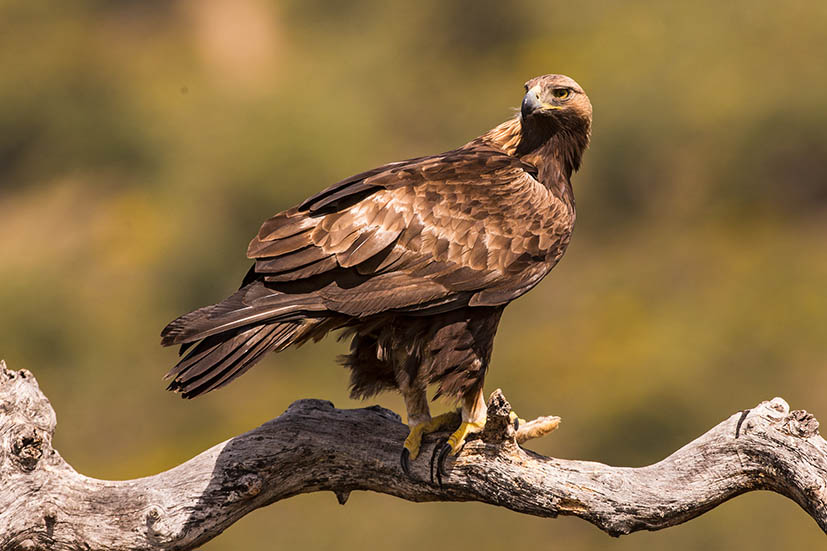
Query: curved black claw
[405,460]
[439,456]
[516,423]
[433,457]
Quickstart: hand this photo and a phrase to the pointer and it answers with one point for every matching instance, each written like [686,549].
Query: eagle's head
[556,98]
[556,111]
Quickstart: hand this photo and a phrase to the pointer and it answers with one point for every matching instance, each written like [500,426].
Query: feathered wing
[471,226]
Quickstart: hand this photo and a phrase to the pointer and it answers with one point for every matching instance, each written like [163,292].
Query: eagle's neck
[560,142]
[550,146]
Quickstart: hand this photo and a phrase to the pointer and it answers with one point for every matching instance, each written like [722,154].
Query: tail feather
[218,359]
[211,353]
[222,341]
[252,304]
[271,339]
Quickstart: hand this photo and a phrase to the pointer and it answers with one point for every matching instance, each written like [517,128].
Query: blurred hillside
[142,143]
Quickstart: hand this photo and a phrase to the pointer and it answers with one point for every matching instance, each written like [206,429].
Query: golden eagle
[415,260]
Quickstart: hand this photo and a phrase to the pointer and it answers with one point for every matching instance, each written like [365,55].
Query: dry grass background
[141,144]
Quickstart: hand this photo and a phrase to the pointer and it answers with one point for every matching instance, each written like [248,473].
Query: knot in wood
[153,515]
[27,448]
[156,523]
[242,484]
[800,423]
[251,484]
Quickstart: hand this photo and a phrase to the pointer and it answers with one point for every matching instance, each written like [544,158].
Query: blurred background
[142,143]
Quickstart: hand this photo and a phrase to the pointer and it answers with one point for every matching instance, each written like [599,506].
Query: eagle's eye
[561,93]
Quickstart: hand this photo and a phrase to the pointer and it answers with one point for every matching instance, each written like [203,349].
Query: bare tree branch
[45,504]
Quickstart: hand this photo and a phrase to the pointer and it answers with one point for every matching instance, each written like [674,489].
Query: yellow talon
[414,440]
[456,440]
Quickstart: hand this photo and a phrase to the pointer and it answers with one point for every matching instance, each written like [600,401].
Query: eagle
[413,261]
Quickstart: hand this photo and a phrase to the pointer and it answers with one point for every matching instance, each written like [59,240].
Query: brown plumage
[414,260]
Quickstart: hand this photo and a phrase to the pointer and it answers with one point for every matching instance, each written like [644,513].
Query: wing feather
[432,230]
[279,247]
[303,272]
[284,225]
[308,255]
[368,245]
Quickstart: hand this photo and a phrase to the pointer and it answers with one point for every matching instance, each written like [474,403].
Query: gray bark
[45,504]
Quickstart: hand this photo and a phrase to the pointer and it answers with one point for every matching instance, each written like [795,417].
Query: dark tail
[220,342]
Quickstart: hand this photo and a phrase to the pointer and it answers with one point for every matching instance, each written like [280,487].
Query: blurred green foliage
[141,144]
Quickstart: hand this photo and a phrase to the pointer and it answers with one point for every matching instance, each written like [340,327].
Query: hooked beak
[532,103]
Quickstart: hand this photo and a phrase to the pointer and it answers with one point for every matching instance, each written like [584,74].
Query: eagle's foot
[451,446]
[413,442]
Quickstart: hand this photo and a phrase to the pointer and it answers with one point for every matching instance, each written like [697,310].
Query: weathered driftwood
[45,504]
